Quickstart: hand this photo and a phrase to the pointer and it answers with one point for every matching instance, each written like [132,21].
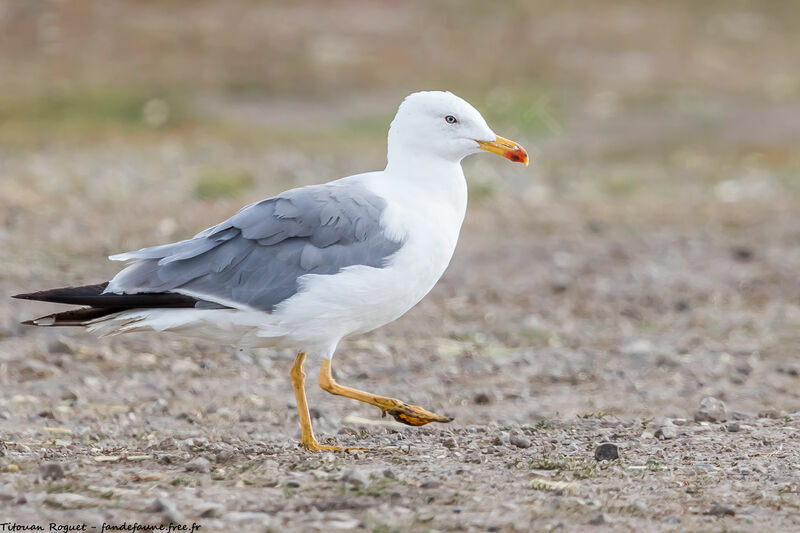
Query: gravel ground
[616,337]
[557,328]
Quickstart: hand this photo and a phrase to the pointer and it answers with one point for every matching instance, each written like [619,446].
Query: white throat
[430,180]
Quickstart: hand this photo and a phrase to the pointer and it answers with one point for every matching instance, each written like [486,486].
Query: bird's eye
[450,119]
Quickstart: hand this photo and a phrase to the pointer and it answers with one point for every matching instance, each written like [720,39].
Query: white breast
[361,298]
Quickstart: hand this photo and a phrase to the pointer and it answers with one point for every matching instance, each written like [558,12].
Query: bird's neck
[434,179]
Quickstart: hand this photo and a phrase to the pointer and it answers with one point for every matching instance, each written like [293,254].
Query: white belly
[361,298]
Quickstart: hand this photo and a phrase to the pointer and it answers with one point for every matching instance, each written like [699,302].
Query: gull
[312,265]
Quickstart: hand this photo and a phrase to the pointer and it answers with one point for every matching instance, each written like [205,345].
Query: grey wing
[256,257]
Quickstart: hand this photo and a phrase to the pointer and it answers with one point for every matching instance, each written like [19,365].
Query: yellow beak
[508,149]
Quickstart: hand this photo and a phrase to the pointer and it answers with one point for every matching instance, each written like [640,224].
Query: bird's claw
[412,415]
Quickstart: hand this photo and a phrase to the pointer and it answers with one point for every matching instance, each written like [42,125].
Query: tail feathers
[93,295]
[74,317]
[104,304]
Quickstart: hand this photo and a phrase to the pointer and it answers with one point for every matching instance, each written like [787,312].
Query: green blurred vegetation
[216,182]
[365,127]
[626,98]
[527,110]
[481,192]
[93,107]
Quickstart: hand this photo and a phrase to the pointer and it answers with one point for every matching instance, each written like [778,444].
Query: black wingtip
[28,296]
[27,322]
[95,296]
[66,295]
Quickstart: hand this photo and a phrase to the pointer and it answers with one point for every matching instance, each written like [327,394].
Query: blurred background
[658,224]
[647,258]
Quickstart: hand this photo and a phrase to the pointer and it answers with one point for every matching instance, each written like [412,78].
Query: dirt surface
[617,336]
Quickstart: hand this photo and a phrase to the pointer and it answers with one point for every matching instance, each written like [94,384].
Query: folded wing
[255,258]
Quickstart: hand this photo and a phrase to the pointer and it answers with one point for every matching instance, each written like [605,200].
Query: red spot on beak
[517,155]
[508,149]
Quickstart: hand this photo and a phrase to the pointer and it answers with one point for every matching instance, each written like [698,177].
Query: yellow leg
[298,384]
[401,411]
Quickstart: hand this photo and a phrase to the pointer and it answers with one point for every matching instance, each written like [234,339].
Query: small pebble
[59,346]
[791,370]
[769,413]
[32,369]
[199,464]
[431,484]
[519,440]
[742,253]
[639,348]
[52,471]
[561,283]
[606,452]
[720,509]
[69,396]
[711,410]
[158,505]
[223,456]
[212,511]
[598,520]
[450,442]
[356,477]
[482,398]
[666,432]
[166,508]
[293,484]
[389,473]
[732,427]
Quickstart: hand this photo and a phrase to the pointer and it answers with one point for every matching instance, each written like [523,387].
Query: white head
[441,125]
